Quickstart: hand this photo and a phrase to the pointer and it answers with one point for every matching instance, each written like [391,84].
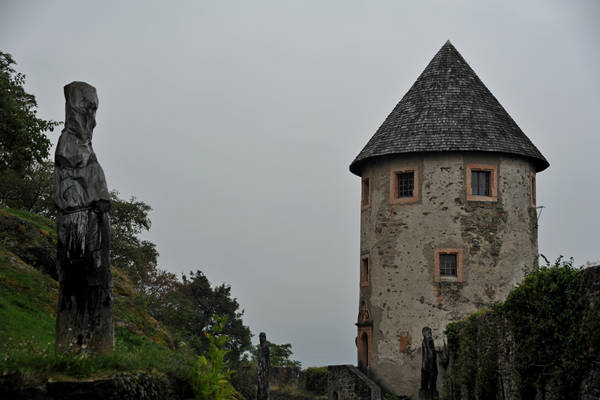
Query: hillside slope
[28,299]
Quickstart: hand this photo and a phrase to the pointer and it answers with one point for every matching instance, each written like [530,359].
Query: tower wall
[497,239]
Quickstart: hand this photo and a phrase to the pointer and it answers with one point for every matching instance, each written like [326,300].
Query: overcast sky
[237,120]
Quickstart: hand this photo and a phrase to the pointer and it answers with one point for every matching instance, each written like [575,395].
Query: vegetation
[23,143]
[555,334]
[211,379]
[28,301]
[163,323]
[315,380]
[279,355]
[167,344]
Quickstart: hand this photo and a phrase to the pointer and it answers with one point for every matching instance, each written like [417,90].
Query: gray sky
[237,121]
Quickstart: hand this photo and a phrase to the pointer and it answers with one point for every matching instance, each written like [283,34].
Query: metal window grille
[448,265]
[480,183]
[405,183]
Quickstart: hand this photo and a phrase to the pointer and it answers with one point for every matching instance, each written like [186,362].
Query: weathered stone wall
[498,239]
[125,387]
[348,383]
[286,376]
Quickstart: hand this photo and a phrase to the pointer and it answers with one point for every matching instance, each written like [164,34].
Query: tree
[30,190]
[280,355]
[22,138]
[23,143]
[134,256]
[188,308]
[207,302]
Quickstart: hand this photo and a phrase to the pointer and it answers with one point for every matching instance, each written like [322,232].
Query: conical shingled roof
[448,108]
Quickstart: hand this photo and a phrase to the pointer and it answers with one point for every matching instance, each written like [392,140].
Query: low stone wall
[126,387]
[286,376]
[348,383]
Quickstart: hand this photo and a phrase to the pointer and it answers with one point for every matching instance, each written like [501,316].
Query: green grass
[37,362]
[46,225]
[28,300]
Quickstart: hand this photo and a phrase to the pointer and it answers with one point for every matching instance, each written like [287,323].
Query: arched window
[363,340]
[363,351]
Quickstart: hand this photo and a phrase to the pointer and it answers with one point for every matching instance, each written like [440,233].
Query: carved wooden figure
[84,320]
[263,368]
[429,370]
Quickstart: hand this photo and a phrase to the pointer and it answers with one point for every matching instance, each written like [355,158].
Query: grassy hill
[28,300]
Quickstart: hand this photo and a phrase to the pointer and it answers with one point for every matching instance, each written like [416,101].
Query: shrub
[210,379]
[315,380]
[553,326]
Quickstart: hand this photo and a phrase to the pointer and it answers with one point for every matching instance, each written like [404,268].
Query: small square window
[480,183]
[448,265]
[365,194]
[405,184]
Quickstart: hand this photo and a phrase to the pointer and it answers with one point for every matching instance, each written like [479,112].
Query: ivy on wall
[548,323]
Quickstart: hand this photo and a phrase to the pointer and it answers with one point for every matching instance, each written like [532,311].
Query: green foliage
[30,190]
[28,300]
[546,313]
[210,379]
[37,361]
[315,380]
[189,307]
[134,256]
[185,306]
[44,224]
[245,378]
[23,143]
[279,355]
[473,345]
[554,329]
[22,138]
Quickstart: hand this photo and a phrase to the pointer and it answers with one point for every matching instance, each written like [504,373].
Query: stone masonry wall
[348,383]
[141,386]
[497,239]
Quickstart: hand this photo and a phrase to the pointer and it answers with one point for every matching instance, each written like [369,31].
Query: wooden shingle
[448,108]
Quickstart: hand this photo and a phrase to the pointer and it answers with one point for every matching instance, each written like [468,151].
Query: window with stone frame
[448,265]
[404,185]
[365,277]
[365,193]
[482,182]
[533,190]
[363,338]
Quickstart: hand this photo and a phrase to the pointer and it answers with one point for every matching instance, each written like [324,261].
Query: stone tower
[448,217]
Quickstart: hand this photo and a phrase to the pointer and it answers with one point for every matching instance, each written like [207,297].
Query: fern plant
[211,375]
